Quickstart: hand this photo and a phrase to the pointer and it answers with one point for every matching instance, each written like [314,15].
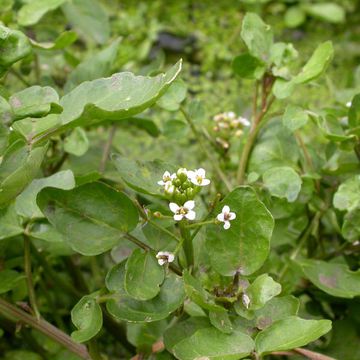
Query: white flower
[197,177]
[230,115]
[169,187]
[165,257]
[244,121]
[166,178]
[183,211]
[245,300]
[226,216]
[348,104]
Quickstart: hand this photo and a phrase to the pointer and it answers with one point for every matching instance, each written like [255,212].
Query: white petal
[161,261]
[171,257]
[166,175]
[220,217]
[205,182]
[173,176]
[225,209]
[194,180]
[232,216]
[178,217]
[191,174]
[161,182]
[189,204]
[191,215]
[174,207]
[201,172]
[160,254]
[226,225]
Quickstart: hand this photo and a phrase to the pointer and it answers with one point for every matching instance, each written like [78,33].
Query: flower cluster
[184,185]
[228,125]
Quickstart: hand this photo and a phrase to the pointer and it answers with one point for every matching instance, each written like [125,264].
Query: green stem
[212,159]
[301,243]
[94,350]
[201,223]
[187,245]
[16,314]
[146,247]
[250,141]
[29,278]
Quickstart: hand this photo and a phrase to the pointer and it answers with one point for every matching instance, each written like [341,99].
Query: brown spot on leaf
[329,281]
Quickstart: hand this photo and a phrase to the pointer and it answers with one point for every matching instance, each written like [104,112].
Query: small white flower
[169,187]
[183,211]
[230,115]
[197,177]
[244,121]
[348,104]
[167,177]
[245,300]
[165,257]
[226,216]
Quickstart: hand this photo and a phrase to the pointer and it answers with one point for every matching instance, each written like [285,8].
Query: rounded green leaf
[10,222]
[9,279]
[248,67]
[18,168]
[351,226]
[174,96]
[347,196]
[334,279]
[294,117]
[142,176]
[283,182]
[143,275]
[317,64]
[263,289]
[290,333]
[34,10]
[245,246]
[221,321]
[328,11]
[25,203]
[92,217]
[77,143]
[198,294]
[87,317]
[257,36]
[294,16]
[213,344]
[170,298]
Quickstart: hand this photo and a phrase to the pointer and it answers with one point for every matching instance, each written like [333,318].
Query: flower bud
[182,174]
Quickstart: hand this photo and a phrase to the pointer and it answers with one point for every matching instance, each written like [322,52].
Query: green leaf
[9,279]
[29,128]
[276,309]
[283,182]
[283,88]
[94,66]
[142,176]
[34,10]
[351,226]
[263,289]
[175,129]
[332,129]
[170,298]
[347,196]
[184,329]
[87,317]
[143,275]
[89,18]
[334,279]
[248,67]
[92,217]
[198,294]
[14,46]
[244,247]
[19,166]
[5,113]
[174,96]
[35,101]
[354,114]
[327,11]
[120,96]
[294,16]
[221,321]
[317,64]
[294,117]
[147,125]
[10,224]
[213,344]
[64,40]
[257,36]
[25,203]
[289,333]
[77,143]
